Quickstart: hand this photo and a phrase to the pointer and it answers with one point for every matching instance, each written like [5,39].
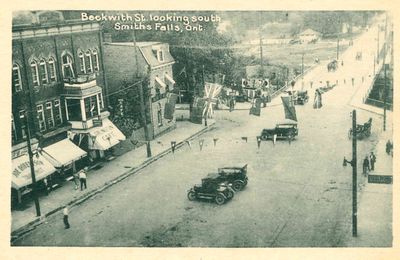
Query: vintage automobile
[286,129]
[212,188]
[362,131]
[300,97]
[234,175]
[241,98]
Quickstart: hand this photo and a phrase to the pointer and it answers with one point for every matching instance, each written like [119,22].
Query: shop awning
[63,153]
[105,136]
[170,79]
[21,171]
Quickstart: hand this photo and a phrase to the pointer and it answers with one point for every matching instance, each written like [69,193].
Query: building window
[101,103]
[88,62]
[160,55]
[74,109]
[16,74]
[67,68]
[43,71]
[13,130]
[50,115]
[159,115]
[91,108]
[40,116]
[81,62]
[52,69]
[57,112]
[35,73]
[95,60]
[22,121]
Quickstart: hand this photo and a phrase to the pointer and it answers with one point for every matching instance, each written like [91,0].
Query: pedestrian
[366,166]
[82,177]
[76,179]
[46,186]
[372,160]
[388,147]
[65,219]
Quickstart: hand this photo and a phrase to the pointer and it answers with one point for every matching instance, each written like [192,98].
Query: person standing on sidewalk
[366,166]
[372,160]
[65,218]
[82,177]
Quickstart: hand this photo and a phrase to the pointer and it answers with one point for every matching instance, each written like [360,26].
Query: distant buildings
[309,35]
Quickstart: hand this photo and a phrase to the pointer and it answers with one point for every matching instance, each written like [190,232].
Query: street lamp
[353,164]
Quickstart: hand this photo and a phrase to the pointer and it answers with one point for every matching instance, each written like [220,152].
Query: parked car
[241,98]
[234,175]
[285,129]
[301,98]
[212,188]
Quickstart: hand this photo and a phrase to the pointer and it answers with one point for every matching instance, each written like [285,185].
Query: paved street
[299,194]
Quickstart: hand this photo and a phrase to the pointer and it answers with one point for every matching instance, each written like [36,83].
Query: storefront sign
[380,179]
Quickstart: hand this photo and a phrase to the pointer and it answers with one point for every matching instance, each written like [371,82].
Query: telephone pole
[385,79]
[142,105]
[354,166]
[30,154]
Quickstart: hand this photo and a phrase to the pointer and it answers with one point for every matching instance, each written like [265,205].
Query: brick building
[57,92]
[125,66]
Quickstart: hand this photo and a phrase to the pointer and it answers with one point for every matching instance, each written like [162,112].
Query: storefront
[21,174]
[63,155]
[98,140]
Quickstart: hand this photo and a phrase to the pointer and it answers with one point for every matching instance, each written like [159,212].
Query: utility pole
[377,50]
[261,57]
[204,84]
[30,154]
[337,48]
[142,106]
[385,79]
[302,71]
[354,165]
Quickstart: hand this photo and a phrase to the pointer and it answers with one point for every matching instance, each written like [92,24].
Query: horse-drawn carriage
[332,66]
[362,131]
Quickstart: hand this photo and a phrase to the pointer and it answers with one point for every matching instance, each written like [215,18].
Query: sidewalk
[375,203]
[97,180]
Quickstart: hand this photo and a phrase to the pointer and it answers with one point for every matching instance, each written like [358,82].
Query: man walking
[372,160]
[65,219]
[82,177]
[366,166]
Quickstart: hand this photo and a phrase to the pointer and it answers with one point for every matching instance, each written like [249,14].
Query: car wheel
[220,199]
[230,194]
[244,183]
[237,185]
[191,195]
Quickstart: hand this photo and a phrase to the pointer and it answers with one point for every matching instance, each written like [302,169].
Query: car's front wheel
[230,194]
[237,185]
[220,199]
[191,195]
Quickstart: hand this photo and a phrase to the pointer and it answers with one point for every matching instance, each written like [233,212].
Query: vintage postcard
[213,128]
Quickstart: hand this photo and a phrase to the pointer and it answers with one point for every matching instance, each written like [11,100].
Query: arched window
[35,73]
[81,62]
[95,60]
[67,68]
[16,75]
[52,69]
[88,62]
[43,71]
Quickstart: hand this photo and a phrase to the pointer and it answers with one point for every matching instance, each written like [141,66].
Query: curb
[20,232]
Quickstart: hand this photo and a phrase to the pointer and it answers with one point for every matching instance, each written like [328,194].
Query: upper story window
[52,69]
[43,71]
[81,57]
[88,62]
[95,60]
[22,121]
[41,119]
[160,55]
[13,129]
[35,73]
[67,67]
[16,76]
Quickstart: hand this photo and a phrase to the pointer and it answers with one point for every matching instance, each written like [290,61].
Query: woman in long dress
[317,99]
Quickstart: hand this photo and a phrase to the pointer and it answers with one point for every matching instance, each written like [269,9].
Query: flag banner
[256,107]
[290,110]
[196,115]
[211,91]
[169,109]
